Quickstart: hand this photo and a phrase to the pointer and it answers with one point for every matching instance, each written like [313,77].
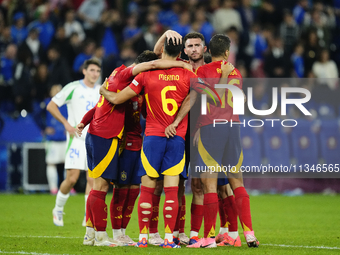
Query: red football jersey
[165,91]
[133,128]
[224,111]
[108,119]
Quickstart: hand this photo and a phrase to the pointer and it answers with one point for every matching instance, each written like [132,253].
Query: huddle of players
[162,154]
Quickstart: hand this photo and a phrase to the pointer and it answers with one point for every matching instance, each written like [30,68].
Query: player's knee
[158,189]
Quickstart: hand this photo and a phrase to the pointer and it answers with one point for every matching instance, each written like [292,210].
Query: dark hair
[218,45]
[146,56]
[172,49]
[193,35]
[91,61]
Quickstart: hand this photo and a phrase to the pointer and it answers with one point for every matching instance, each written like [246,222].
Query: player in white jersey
[79,96]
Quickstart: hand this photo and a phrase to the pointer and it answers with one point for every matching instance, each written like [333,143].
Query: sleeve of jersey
[61,98]
[235,78]
[136,84]
[125,78]
[88,116]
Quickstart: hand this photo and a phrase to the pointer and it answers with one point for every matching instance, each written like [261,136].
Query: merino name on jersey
[211,73]
[165,91]
[108,119]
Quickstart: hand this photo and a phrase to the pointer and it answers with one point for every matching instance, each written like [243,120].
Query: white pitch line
[302,246]
[29,253]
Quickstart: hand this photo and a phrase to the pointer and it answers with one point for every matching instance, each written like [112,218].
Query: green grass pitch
[283,225]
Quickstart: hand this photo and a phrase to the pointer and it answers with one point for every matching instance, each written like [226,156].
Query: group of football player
[163,88]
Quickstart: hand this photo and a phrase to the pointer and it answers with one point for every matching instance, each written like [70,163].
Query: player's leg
[235,158]
[223,216]
[63,194]
[134,183]
[154,237]
[103,167]
[151,159]
[55,154]
[196,209]
[179,235]
[52,178]
[173,165]
[89,185]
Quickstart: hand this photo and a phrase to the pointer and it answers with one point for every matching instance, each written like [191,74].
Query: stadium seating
[330,141]
[304,143]
[276,146]
[251,146]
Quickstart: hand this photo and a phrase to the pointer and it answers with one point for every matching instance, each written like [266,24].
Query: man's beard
[196,60]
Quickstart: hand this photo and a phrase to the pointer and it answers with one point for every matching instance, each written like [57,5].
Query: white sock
[52,177]
[86,196]
[176,233]
[169,236]
[90,231]
[233,234]
[116,233]
[193,233]
[223,230]
[61,200]
[141,236]
[123,231]
[151,235]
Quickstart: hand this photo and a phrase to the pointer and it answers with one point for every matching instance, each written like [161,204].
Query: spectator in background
[203,26]
[88,50]
[312,50]
[59,71]
[299,11]
[40,83]
[277,63]
[74,49]
[33,46]
[226,17]
[269,15]
[63,43]
[247,14]
[131,32]
[289,31]
[183,25]
[170,17]
[107,32]
[298,61]
[18,31]
[233,35]
[7,63]
[44,26]
[5,39]
[71,25]
[22,87]
[89,12]
[326,71]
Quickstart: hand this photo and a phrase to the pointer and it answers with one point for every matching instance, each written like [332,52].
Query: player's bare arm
[188,102]
[169,34]
[117,98]
[159,64]
[53,108]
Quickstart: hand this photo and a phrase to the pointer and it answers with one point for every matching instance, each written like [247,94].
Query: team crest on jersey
[123,176]
[135,105]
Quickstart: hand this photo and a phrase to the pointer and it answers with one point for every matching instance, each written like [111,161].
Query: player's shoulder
[117,70]
[71,85]
[235,73]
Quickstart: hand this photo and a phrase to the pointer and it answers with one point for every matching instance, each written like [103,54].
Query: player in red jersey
[220,147]
[102,145]
[165,91]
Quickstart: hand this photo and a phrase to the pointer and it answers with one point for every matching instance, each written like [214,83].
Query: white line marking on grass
[302,246]
[30,253]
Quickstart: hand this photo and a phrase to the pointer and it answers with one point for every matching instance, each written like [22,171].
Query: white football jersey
[79,99]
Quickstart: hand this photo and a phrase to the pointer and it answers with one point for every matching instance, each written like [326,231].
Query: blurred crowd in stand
[44,42]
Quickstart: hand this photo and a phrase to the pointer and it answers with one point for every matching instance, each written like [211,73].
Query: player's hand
[176,37]
[170,130]
[196,137]
[103,87]
[227,68]
[187,66]
[80,128]
[71,130]
[49,131]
